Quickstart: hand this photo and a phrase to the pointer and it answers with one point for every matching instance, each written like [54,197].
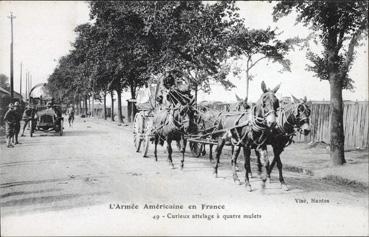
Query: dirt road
[90,181]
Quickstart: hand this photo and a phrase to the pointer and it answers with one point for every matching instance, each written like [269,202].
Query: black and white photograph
[195,118]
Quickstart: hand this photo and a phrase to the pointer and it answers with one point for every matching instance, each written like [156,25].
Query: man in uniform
[70,112]
[18,113]
[10,119]
[27,117]
[50,105]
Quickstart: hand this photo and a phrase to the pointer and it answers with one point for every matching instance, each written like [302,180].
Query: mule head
[302,115]
[242,105]
[267,105]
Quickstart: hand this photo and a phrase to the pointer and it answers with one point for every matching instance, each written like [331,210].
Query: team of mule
[248,127]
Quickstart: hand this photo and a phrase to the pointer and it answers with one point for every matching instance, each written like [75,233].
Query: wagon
[47,120]
[47,116]
[142,131]
[142,135]
[146,104]
[143,124]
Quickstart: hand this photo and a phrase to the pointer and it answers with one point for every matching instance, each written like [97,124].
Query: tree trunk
[76,102]
[247,78]
[337,146]
[89,105]
[247,84]
[78,105]
[80,101]
[112,105]
[93,104]
[133,107]
[86,108]
[105,105]
[119,95]
[337,139]
[133,92]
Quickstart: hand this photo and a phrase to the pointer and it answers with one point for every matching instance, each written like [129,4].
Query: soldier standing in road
[18,113]
[27,117]
[70,113]
[10,119]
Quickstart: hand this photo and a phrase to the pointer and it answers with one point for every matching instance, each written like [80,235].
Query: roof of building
[6,92]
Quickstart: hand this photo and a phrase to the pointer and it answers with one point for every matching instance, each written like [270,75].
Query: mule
[172,124]
[208,118]
[292,118]
[241,104]
[250,129]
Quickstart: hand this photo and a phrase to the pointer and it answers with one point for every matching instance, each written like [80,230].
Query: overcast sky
[43,32]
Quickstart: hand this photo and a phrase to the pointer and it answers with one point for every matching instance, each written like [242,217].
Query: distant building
[4,94]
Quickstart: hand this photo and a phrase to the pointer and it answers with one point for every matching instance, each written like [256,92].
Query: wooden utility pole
[11,17]
[26,85]
[20,81]
[247,77]
[30,82]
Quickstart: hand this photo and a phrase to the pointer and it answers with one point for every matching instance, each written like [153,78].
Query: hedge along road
[90,181]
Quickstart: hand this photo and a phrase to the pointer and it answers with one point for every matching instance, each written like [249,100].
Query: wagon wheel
[196,149]
[137,131]
[145,144]
[147,136]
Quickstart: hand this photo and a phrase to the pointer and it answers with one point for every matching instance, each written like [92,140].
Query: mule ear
[238,98]
[263,87]
[304,100]
[295,99]
[245,100]
[276,88]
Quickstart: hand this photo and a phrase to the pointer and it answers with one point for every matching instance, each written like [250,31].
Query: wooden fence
[355,119]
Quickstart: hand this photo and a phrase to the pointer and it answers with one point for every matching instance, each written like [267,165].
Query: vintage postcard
[168,118]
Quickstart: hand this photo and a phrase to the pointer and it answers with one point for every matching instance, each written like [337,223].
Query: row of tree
[127,43]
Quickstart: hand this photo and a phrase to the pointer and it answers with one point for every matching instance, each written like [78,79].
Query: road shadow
[33,182]
[49,203]
[80,133]
[37,162]
[296,182]
[40,200]
[13,194]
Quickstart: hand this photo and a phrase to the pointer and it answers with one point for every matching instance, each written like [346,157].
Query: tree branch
[253,64]
[340,40]
[351,47]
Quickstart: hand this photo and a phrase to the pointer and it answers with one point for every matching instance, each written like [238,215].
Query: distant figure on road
[52,106]
[18,113]
[49,105]
[10,119]
[27,116]
[70,112]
